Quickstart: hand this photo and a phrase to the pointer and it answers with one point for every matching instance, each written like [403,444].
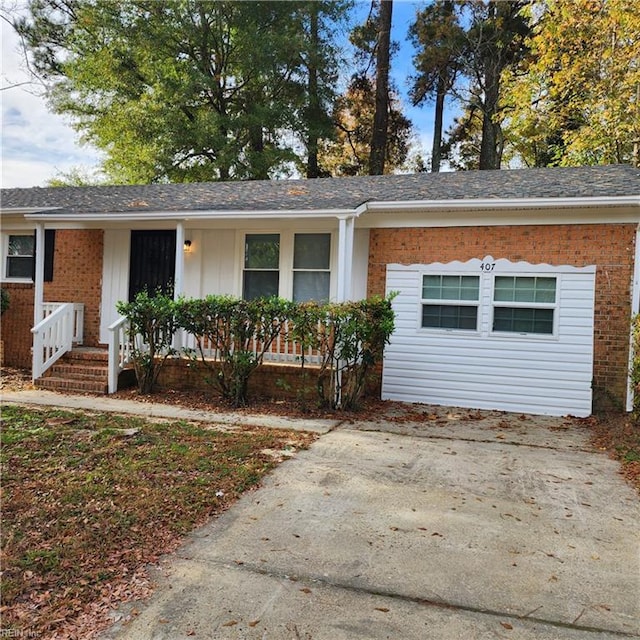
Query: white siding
[115,276]
[211,264]
[520,372]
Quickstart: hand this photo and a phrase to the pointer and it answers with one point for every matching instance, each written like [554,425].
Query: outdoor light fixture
[187,246]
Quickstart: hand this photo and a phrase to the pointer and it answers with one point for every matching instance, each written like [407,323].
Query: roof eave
[139,216]
[504,203]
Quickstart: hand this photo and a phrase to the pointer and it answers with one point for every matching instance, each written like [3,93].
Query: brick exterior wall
[77,277]
[610,247]
[16,324]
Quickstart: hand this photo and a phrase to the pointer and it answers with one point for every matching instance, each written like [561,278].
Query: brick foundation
[610,247]
[269,381]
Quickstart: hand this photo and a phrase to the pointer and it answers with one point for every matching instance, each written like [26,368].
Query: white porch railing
[282,349]
[78,318]
[120,350]
[52,338]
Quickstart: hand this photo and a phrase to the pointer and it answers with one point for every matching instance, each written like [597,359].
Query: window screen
[445,293]
[524,304]
[311,266]
[20,256]
[261,275]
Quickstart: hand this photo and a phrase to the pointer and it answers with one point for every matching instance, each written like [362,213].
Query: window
[20,255]
[450,302]
[261,275]
[524,304]
[311,266]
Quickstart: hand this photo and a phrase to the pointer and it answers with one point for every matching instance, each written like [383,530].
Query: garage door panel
[546,374]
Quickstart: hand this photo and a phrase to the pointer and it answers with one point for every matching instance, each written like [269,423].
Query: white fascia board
[504,203]
[24,210]
[141,216]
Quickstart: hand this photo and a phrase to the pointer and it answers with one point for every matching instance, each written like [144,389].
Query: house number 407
[487,266]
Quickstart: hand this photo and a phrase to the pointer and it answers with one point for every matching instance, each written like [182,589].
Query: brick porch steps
[82,370]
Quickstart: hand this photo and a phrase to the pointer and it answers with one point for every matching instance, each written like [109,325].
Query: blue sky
[38,145]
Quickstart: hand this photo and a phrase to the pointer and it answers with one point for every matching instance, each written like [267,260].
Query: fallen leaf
[231,623]
[506,625]
[383,609]
[253,623]
[305,590]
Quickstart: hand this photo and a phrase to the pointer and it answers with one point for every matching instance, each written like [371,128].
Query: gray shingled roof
[333,193]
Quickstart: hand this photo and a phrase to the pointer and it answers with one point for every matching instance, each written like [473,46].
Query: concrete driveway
[456,526]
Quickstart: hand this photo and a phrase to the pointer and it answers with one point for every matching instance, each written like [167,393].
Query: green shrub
[351,340]
[152,326]
[232,337]
[240,332]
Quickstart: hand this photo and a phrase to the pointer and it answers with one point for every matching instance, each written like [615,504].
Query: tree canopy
[189,89]
[199,90]
[575,100]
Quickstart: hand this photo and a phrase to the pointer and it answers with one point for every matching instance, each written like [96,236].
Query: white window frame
[5,255]
[451,302]
[295,270]
[253,270]
[287,238]
[553,306]
[487,270]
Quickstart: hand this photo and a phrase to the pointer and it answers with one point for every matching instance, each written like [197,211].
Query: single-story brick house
[516,288]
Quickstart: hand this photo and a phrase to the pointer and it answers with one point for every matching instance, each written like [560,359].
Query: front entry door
[152,262]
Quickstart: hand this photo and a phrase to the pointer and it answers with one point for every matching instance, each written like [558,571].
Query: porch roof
[332,196]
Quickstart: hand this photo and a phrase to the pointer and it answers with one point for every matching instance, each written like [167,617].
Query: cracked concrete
[500,527]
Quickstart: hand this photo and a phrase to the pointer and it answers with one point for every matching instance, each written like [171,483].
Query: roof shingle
[333,193]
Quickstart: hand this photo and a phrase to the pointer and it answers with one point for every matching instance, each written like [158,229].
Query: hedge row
[349,339]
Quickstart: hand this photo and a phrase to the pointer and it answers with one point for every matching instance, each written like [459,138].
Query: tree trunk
[381,115]
[490,155]
[436,150]
[313,111]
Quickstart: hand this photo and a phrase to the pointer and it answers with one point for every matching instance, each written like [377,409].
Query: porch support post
[178,279]
[345,257]
[178,284]
[38,276]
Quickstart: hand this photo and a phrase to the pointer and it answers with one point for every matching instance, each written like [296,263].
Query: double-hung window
[20,255]
[291,265]
[311,266]
[450,302]
[524,304]
[261,275]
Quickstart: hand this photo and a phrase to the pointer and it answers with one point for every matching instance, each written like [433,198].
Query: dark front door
[152,262]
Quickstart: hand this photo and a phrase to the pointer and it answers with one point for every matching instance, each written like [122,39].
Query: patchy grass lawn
[89,499]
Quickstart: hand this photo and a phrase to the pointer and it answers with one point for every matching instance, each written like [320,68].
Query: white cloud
[36,144]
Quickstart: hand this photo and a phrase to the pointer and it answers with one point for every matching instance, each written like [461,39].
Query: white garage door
[492,334]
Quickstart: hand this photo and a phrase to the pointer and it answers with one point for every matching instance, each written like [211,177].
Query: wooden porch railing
[78,318]
[282,350]
[120,350]
[52,338]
